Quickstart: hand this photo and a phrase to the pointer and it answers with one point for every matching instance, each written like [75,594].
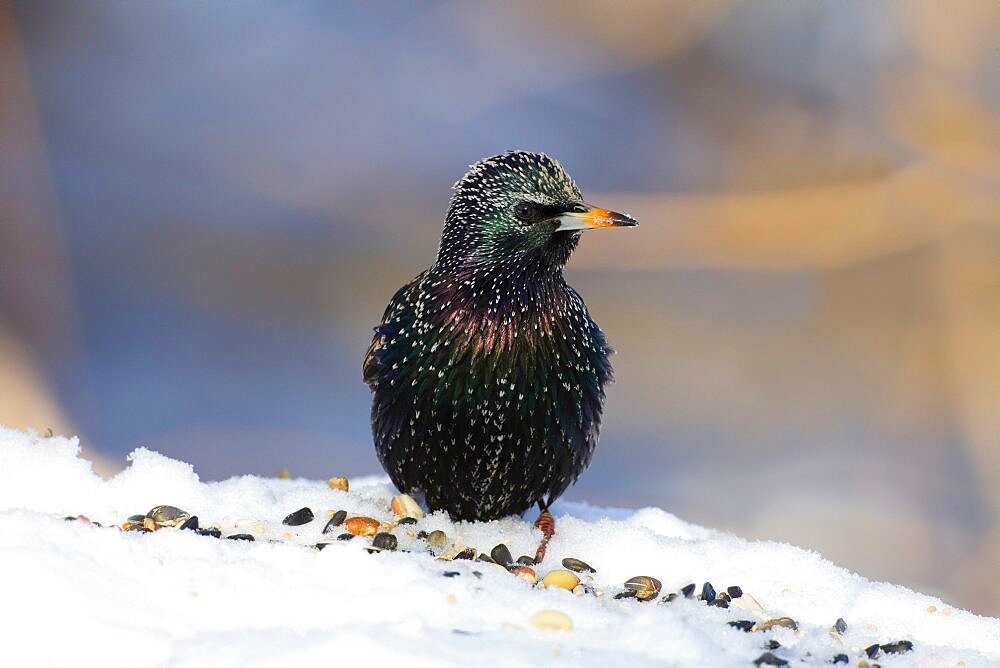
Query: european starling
[487,371]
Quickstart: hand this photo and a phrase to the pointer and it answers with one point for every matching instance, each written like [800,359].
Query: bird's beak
[593,217]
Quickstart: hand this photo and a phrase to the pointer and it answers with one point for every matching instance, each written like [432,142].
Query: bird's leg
[547,524]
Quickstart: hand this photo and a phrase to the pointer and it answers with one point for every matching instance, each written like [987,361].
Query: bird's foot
[547,524]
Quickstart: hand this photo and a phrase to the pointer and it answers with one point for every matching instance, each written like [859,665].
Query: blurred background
[204,208]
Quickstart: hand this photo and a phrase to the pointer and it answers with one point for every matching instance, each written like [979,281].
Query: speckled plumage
[487,371]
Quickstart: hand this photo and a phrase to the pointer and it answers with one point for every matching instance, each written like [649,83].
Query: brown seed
[149,524]
[644,587]
[338,483]
[168,516]
[362,526]
[448,555]
[468,554]
[437,539]
[783,622]
[403,505]
[560,578]
[577,566]
[525,573]
[283,474]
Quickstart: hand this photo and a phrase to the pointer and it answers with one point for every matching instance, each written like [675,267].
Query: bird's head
[518,209]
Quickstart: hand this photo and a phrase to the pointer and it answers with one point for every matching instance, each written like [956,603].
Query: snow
[79,594]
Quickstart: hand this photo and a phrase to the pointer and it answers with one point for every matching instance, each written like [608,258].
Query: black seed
[628,593]
[213,532]
[468,553]
[841,626]
[191,523]
[422,535]
[96,524]
[669,597]
[501,555]
[385,541]
[335,521]
[451,574]
[136,519]
[688,590]
[577,566]
[478,574]
[744,625]
[241,536]
[707,592]
[141,529]
[407,520]
[320,546]
[345,536]
[772,644]
[721,602]
[768,659]
[484,557]
[898,647]
[872,650]
[71,519]
[734,591]
[525,560]
[840,658]
[299,517]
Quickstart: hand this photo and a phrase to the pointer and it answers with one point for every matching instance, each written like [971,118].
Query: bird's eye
[524,211]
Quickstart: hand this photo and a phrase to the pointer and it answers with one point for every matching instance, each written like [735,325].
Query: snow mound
[81,594]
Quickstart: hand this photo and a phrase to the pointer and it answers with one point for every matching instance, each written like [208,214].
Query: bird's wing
[369,368]
[399,304]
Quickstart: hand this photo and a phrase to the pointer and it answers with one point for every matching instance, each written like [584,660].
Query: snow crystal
[79,594]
